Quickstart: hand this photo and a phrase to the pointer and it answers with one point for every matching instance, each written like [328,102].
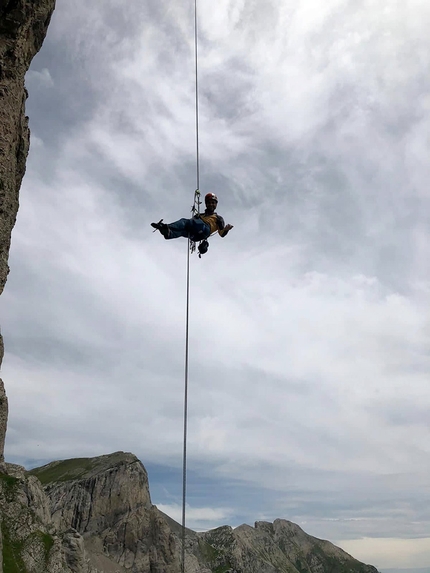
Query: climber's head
[211,201]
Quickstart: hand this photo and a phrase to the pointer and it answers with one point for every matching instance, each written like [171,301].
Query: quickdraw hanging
[197,202]
[195,210]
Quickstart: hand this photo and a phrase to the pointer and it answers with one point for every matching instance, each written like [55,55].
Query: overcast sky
[309,324]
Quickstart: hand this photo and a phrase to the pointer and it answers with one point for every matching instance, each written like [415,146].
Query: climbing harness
[195,210]
[197,203]
[203,246]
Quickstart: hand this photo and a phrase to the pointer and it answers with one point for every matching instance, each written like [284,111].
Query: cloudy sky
[309,324]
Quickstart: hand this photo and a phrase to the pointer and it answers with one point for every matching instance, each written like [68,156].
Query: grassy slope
[79,468]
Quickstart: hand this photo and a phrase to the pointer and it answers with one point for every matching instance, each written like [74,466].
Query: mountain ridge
[128,531]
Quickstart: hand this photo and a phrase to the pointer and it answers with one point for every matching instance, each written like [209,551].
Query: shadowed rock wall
[23,26]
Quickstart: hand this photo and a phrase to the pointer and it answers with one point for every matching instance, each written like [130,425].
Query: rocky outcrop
[276,547]
[106,503]
[23,26]
[30,543]
[106,500]
[3,422]
[101,507]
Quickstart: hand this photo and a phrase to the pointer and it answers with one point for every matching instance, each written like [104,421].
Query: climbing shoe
[162,227]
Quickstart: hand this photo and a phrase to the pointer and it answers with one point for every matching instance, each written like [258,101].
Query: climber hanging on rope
[199,227]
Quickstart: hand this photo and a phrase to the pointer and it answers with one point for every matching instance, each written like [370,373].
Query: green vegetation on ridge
[8,485]
[12,559]
[13,549]
[66,470]
[78,468]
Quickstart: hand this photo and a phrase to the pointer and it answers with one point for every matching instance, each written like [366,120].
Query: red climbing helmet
[212,196]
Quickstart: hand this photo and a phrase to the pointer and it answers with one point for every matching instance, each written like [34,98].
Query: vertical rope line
[184,462]
[197,94]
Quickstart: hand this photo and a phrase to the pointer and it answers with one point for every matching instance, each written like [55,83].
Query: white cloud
[309,323]
[42,79]
[197,518]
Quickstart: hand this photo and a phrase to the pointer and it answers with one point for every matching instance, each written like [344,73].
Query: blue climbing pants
[196,229]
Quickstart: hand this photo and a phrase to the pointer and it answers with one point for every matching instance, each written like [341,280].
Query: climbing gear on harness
[203,248]
[195,210]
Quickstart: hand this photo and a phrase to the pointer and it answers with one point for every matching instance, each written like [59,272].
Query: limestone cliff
[281,546]
[30,543]
[106,500]
[106,503]
[23,26]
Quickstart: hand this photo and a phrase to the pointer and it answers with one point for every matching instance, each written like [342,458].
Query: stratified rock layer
[106,500]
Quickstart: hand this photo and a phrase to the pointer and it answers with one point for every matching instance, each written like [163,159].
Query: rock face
[3,420]
[94,515]
[101,511]
[30,543]
[106,500]
[23,26]
[281,546]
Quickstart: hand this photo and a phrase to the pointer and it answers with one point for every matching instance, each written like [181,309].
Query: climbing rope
[197,96]
[190,246]
[184,462]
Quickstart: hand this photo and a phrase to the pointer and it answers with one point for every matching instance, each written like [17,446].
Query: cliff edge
[23,27]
